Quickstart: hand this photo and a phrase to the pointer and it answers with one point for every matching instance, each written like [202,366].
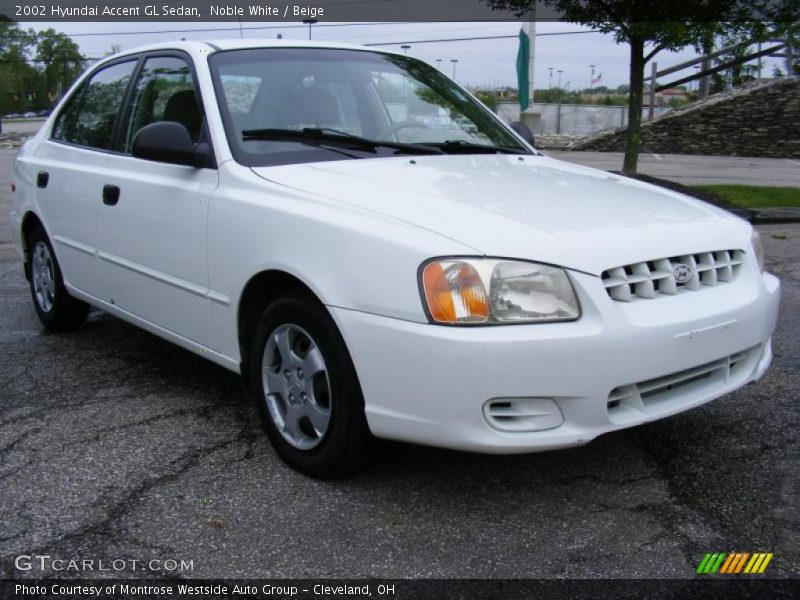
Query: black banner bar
[712,587]
[287,11]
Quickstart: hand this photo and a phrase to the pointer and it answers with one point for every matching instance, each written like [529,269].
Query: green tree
[648,28]
[488,98]
[60,60]
[114,49]
[17,76]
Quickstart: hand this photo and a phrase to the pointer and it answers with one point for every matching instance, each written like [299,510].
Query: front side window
[89,117]
[165,91]
[292,105]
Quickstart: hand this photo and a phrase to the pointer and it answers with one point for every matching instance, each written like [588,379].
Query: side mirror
[523,131]
[169,142]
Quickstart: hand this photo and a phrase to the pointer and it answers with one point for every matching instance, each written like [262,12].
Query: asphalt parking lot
[117,445]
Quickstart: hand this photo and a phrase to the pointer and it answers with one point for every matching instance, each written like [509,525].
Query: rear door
[68,170]
[152,238]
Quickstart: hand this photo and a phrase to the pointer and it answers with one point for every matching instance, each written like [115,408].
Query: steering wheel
[403,125]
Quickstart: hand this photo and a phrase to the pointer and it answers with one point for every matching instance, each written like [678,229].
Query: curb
[762,216]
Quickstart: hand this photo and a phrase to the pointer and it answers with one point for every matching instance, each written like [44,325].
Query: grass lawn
[753,196]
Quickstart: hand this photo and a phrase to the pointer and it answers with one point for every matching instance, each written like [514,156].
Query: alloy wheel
[296,386]
[43,274]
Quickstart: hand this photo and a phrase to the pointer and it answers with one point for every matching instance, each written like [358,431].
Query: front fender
[351,258]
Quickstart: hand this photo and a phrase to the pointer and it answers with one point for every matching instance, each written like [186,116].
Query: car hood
[531,207]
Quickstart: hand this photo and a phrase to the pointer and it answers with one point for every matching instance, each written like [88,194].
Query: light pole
[454,61]
[439,64]
[591,77]
[405,48]
[309,22]
[550,78]
[558,111]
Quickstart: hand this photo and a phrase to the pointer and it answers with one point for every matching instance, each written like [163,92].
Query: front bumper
[432,384]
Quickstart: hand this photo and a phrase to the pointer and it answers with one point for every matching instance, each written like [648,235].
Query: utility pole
[550,78]
[558,111]
[454,61]
[532,54]
[759,62]
[705,81]
[309,22]
[591,77]
[652,103]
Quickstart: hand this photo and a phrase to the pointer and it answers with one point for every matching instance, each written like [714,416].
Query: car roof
[212,45]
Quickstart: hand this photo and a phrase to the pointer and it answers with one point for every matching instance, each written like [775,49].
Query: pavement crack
[103,528]
[10,446]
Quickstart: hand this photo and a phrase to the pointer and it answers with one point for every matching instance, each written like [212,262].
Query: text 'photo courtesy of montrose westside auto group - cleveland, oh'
[399,299]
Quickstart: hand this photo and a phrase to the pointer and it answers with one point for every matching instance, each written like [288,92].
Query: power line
[467,39]
[433,41]
[429,31]
[213,29]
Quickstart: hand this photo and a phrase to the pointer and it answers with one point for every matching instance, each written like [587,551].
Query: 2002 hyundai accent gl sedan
[377,254]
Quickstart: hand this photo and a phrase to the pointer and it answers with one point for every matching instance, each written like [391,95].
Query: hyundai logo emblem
[682,272]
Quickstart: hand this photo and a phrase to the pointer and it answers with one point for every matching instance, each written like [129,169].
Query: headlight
[472,291]
[758,249]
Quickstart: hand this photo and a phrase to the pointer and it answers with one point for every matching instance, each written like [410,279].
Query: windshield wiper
[333,137]
[465,147]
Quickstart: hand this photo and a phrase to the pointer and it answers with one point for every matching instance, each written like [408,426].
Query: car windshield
[296,105]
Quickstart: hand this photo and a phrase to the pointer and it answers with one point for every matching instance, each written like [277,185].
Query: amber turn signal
[455,293]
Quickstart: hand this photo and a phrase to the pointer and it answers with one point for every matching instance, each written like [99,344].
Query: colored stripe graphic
[715,565]
[727,565]
[740,564]
[764,564]
[755,562]
[704,563]
[711,562]
[734,563]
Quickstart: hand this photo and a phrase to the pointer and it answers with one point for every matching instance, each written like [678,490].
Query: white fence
[571,119]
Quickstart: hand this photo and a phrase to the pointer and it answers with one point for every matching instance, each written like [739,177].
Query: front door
[152,227]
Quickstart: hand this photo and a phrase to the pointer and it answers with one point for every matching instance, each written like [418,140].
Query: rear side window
[165,91]
[89,117]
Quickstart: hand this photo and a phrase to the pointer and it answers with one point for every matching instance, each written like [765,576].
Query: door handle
[42,179]
[110,194]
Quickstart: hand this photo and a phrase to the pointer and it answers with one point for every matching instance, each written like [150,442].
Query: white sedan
[378,255]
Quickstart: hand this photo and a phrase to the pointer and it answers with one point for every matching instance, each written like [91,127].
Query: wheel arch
[261,289]
[30,221]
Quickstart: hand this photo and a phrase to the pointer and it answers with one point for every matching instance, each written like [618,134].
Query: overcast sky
[480,62]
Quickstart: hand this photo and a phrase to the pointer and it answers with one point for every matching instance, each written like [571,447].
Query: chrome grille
[652,278]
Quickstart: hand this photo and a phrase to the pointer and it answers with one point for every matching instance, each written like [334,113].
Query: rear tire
[57,310]
[306,389]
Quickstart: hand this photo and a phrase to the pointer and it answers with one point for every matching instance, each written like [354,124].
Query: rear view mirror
[523,131]
[169,142]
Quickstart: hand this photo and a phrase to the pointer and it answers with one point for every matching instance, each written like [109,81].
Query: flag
[597,79]
[523,82]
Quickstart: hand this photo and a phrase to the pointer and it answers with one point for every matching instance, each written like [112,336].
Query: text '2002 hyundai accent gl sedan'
[378,255]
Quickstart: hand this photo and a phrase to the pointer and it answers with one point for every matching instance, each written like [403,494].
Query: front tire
[57,310]
[306,389]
